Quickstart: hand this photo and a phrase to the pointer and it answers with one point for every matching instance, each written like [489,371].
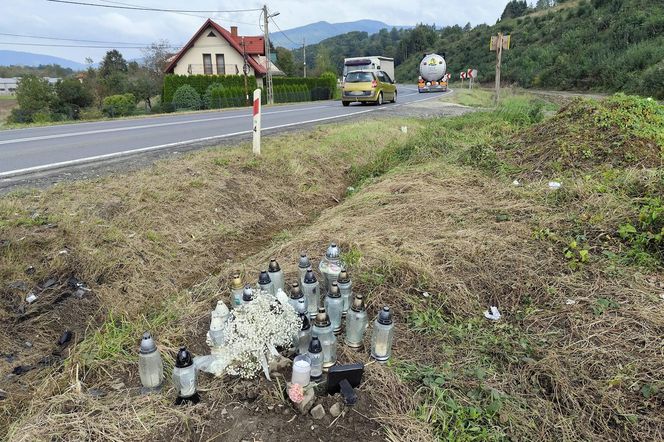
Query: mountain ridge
[316,32]
[20,58]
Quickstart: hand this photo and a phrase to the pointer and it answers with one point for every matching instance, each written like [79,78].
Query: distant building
[8,85]
[214,50]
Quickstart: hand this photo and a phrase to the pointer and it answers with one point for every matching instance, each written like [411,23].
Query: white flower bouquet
[253,333]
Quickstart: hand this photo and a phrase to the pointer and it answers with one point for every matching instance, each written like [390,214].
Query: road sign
[505,41]
[499,43]
[473,73]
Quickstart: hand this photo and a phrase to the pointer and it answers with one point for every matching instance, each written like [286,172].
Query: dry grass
[439,243]
[6,105]
[150,237]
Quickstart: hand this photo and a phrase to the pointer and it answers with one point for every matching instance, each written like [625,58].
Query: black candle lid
[314,345]
[264,278]
[183,358]
[385,316]
[309,277]
[274,266]
[295,291]
[304,261]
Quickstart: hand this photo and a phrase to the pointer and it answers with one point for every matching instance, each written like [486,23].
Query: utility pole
[245,70]
[500,58]
[498,43]
[304,56]
[268,74]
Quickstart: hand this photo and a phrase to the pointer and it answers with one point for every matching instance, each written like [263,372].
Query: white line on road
[11,173]
[143,126]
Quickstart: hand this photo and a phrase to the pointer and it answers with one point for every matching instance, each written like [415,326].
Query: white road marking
[143,126]
[11,173]
[8,174]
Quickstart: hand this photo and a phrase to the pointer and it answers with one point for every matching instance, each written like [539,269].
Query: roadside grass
[477,97]
[435,229]
[7,103]
[138,240]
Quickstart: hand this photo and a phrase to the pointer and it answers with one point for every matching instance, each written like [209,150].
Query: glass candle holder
[150,365]
[296,295]
[236,291]
[216,331]
[357,322]
[303,336]
[311,293]
[383,334]
[346,290]
[302,267]
[276,275]
[322,329]
[333,307]
[184,374]
[330,267]
[247,294]
[301,370]
[265,283]
[315,354]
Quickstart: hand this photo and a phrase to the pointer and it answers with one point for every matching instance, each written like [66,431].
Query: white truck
[370,63]
[433,70]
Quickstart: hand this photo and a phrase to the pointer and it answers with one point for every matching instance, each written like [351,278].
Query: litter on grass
[492,313]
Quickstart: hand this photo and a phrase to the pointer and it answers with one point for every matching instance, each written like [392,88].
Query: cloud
[37,17]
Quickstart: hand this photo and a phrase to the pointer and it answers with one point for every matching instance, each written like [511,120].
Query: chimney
[234,32]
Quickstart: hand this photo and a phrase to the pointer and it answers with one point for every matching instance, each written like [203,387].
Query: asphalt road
[30,150]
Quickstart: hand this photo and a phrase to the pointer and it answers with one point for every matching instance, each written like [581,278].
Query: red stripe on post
[256,105]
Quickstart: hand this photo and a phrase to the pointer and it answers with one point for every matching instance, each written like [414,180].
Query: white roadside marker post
[257,122]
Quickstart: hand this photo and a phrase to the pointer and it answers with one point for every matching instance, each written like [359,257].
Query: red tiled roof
[259,69]
[254,44]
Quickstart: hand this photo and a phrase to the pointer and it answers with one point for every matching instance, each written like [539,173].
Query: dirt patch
[6,106]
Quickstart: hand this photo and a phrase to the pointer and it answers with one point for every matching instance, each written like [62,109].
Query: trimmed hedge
[320,88]
[201,82]
[219,91]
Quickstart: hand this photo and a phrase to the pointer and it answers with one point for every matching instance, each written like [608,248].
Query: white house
[8,85]
[215,51]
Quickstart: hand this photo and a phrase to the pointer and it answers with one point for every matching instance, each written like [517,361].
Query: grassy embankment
[433,226]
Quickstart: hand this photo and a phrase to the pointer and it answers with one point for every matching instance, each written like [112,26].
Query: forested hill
[611,45]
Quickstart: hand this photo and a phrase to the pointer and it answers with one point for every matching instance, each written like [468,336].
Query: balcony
[225,69]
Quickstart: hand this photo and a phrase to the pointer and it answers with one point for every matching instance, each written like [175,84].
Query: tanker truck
[432,74]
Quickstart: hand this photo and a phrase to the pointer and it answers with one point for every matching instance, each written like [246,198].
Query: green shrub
[119,105]
[214,96]
[647,234]
[653,81]
[186,98]
[201,83]
[90,113]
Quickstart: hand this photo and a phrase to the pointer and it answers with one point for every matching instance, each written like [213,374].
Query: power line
[283,33]
[144,8]
[79,46]
[71,39]
[129,6]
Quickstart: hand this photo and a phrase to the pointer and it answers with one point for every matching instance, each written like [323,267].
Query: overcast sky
[58,20]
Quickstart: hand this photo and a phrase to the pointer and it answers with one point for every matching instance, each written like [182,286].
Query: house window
[207,64]
[221,66]
[211,34]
